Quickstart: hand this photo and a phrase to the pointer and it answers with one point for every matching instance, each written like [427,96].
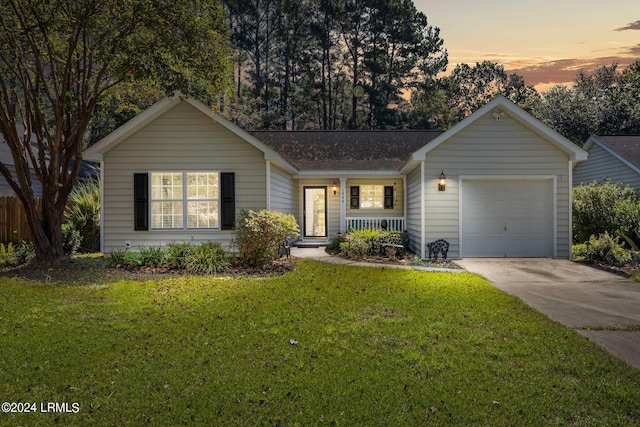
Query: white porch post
[343,205]
[267,179]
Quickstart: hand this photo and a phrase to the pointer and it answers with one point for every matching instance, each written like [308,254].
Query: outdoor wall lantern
[334,188]
[441,181]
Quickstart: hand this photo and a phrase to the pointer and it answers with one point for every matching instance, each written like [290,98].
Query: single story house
[615,158]
[497,184]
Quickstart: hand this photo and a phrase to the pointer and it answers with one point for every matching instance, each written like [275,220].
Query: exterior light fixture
[442,179]
[334,188]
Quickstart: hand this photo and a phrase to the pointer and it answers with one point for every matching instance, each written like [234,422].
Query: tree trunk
[46,230]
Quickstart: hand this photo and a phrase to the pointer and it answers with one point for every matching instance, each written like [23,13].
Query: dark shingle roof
[346,150]
[627,146]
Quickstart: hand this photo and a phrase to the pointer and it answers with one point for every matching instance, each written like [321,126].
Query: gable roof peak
[514,111]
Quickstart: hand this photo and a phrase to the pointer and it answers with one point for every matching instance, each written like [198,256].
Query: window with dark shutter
[388,197]
[140,201]
[355,197]
[228,200]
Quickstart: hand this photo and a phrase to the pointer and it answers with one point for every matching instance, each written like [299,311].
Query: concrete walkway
[573,294]
[321,255]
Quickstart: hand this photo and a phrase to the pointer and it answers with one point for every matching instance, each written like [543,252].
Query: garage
[507,218]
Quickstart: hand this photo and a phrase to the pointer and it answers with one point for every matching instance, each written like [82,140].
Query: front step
[308,245]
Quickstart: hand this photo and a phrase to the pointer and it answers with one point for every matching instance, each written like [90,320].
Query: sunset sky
[545,41]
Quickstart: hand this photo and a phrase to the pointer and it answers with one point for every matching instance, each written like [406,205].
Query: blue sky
[546,41]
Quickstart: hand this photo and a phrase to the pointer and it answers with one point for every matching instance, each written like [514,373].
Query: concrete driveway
[573,294]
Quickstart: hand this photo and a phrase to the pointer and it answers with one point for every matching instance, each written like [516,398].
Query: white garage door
[507,218]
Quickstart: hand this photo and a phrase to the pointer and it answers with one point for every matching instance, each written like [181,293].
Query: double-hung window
[185,200]
[371,197]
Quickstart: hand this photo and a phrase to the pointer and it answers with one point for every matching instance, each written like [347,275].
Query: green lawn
[322,345]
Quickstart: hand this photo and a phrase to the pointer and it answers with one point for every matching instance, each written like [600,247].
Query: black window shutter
[355,197]
[388,197]
[228,199]
[140,201]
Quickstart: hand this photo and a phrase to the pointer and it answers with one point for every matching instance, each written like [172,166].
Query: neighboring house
[87,169]
[178,172]
[615,158]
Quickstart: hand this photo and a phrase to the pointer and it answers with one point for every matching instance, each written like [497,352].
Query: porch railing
[395,224]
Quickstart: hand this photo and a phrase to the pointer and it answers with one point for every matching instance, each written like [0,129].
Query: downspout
[570,209]
[343,205]
[102,206]
[423,209]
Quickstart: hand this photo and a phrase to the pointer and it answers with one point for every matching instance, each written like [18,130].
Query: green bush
[579,251]
[152,256]
[259,233]
[360,243]
[355,248]
[334,244]
[14,255]
[606,208]
[177,254]
[368,242]
[83,214]
[207,258]
[606,249]
[71,239]
[121,258]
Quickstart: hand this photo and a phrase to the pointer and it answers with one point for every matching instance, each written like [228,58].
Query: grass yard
[322,345]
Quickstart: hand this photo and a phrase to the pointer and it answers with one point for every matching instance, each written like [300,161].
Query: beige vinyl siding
[602,165]
[182,139]
[414,208]
[283,191]
[398,203]
[490,148]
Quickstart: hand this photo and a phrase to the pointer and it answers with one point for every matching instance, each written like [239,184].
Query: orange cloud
[565,70]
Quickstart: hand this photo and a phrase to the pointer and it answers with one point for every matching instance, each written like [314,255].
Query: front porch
[332,206]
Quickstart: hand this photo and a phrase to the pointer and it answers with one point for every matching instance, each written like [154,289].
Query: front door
[315,212]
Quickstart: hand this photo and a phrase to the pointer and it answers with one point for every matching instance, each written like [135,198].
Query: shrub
[259,233]
[83,214]
[207,258]
[360,243]
[71,239]
[606,249]
[152,256]
[24,252]
[177,254]
[579,251]
[14,255]
[355,248]
[368,242]
[6,255]
[334,244]
[120,258]
[606,208]
[116,258]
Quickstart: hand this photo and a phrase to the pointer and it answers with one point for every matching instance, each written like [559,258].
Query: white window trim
[184,202]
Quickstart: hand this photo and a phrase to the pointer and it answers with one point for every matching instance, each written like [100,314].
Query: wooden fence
[13,221]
